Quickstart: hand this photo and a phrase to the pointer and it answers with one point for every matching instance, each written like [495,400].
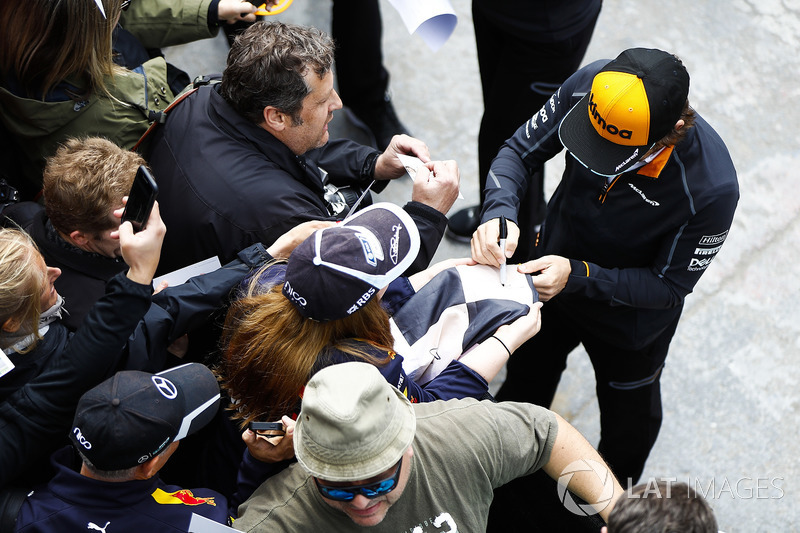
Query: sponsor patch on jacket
[180,497]
[706,250]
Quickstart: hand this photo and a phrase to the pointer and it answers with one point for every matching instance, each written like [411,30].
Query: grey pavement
[730,393]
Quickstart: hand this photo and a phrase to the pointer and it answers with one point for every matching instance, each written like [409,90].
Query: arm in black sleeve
[212,16]
[178,310]
[431,225]
[532,145]
[34,419]
[252,473]
[348,162]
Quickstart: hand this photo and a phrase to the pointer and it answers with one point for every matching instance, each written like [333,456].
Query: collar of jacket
[260,140]
[63,254]
[69,485]
[653,168]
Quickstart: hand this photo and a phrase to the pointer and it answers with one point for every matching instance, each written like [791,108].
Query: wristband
[504,344]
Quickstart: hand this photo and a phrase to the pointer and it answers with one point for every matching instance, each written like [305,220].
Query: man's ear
[79,238]
[275,120]
[151,467]
[679,124]
[12,325]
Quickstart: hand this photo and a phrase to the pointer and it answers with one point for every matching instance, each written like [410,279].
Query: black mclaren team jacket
[637,245]
[225,183]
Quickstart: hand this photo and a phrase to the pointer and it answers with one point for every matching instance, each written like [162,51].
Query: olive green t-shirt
[463,449]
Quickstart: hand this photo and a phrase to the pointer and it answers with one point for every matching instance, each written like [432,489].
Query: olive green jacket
[38,127]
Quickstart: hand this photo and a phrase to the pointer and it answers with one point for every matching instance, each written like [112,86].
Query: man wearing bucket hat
[368,457]
[644,205]
[124,431]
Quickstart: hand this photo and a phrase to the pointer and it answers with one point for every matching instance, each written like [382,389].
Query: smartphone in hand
[268,429]
[140,199]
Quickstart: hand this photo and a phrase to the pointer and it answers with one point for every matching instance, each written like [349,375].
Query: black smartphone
[140,199]
[268,429]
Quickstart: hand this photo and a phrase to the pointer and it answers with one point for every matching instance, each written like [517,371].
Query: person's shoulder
[479,410]
[595,66]
[285,499]
[707,161]
[582,79]
[451,411]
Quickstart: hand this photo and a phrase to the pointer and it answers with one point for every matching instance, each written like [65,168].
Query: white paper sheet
[178,277]
[201,524]
[6,365]
[433,20]
[412,163]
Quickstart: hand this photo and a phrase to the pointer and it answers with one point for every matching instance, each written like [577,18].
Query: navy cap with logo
[134,416]
[635,101]
[337,270]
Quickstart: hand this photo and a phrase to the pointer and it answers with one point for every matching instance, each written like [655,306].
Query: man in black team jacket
[644,205]
[244,160]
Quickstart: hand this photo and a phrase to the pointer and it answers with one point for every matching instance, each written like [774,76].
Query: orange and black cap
[635,100]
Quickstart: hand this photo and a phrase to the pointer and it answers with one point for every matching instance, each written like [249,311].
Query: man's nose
[361,502]
[338,103]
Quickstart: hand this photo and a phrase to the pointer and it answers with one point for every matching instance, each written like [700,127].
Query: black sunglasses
[125,5]
[369,490]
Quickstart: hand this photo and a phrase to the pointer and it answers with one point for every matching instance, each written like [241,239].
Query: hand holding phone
[271,442]
[268,429]
[141,198]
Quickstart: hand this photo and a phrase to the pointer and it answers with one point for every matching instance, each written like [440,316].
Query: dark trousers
[627,385]
[517,78]
[356,27]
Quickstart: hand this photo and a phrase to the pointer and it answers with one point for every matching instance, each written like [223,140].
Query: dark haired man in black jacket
[244,160]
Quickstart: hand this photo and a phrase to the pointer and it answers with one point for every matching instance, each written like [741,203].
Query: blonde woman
[50,368]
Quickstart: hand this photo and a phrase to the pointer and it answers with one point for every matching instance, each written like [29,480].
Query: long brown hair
[269,349]
[44,42]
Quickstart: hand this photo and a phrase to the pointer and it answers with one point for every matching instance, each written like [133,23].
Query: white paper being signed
[412,163]
[433,20]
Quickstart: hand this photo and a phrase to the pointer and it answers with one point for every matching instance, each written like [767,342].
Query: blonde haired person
[68,69]
[26,291]
[129,328]
[45,368]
